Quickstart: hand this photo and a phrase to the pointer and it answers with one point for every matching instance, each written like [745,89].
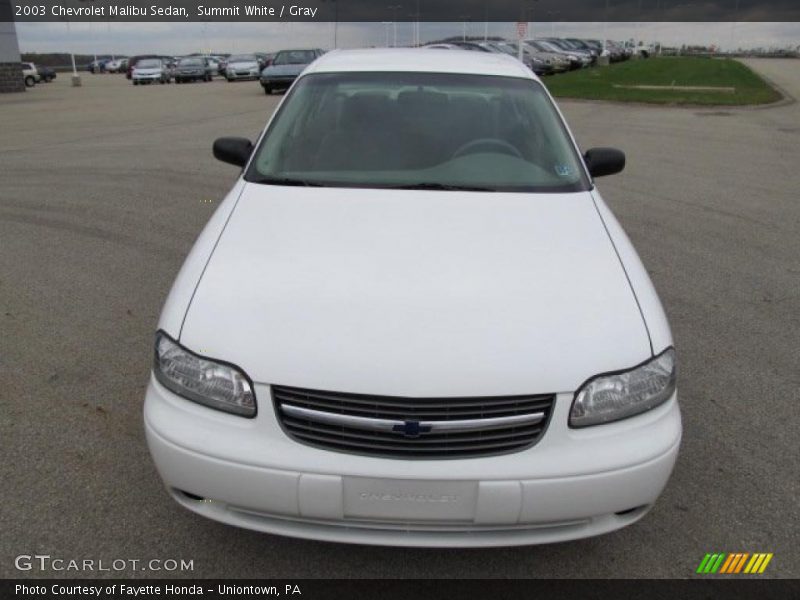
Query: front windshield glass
[149,64]
[191,62]
[425,130]
[294,57]
[242,58]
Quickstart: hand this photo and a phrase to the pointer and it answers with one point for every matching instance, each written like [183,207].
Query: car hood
[416,293]
[191,68]
[283,70]
[147,71]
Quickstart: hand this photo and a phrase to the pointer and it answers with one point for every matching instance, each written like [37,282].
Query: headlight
[609,398]
[209,382]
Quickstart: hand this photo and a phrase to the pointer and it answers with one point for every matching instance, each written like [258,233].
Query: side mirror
[233,150]
[604,161]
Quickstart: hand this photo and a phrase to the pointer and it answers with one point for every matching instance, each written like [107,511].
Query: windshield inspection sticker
[563,170]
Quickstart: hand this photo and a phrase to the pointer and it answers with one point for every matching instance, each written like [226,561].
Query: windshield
[424,130]
[149,64]
[242,58]
[191,62]
[294,57]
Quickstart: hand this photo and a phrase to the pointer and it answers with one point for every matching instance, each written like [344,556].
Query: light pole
[386,30]
[335,22]
[528,11]
[527,14]
[394,8]
[464,19]
[551,14]
[414,31]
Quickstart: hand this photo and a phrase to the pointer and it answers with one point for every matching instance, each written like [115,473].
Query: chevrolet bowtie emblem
[411,429]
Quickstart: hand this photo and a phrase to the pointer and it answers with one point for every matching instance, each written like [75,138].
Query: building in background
[10,66]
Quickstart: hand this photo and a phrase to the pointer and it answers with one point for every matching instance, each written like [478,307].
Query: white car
[30,74]
[242,66]
[413,321]
[150,70]
[113,66]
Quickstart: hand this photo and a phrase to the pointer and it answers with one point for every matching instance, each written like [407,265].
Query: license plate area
[409,500]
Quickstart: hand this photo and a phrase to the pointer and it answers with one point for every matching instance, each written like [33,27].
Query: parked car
[536,61]
[113,66]
[151,70]
[46,74]
[265,58]
[619,52]
[474,46]
[98,66]
[30,74]
[222,66]
[242,66]
[441,46]
[135,59]
[192,68]
[574,60]
[414,321]
[583,45]
[213,64]
[285,68]
[587,56]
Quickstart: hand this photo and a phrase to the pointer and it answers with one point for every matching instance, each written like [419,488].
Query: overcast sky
[183,38]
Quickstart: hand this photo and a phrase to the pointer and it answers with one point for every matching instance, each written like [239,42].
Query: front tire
[135,82]
[30,81]
[267,90]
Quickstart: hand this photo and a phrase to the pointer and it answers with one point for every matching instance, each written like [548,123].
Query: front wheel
[135,82]
[30,81]
[267,90]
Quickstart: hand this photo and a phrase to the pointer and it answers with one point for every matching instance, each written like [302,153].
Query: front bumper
[572,484]
[277,83]
[242,74]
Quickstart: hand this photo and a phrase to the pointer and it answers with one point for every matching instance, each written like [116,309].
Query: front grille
[397,427]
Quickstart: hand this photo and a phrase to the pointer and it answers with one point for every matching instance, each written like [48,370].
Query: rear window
[294,57]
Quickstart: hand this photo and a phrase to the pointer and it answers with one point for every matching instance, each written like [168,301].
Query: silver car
[242,66]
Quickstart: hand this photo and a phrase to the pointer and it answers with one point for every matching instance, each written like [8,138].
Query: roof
[420,60]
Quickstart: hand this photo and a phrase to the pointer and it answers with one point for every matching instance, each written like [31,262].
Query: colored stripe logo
[734,563]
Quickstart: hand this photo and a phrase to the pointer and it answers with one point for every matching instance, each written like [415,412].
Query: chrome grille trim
[426,428]
[392,426]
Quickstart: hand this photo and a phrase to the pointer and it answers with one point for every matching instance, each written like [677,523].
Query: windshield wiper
[441,186]
[285,181]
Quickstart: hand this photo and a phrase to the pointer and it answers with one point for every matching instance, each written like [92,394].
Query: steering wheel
[475,146]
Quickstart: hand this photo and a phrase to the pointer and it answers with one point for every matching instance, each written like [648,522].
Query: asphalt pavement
[104,188]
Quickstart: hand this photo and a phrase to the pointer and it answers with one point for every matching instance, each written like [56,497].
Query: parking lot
[103,189]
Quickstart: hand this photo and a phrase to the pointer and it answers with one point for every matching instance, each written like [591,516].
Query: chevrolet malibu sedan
[413,321]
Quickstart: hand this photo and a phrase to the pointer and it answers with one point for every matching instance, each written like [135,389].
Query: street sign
[522,29]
